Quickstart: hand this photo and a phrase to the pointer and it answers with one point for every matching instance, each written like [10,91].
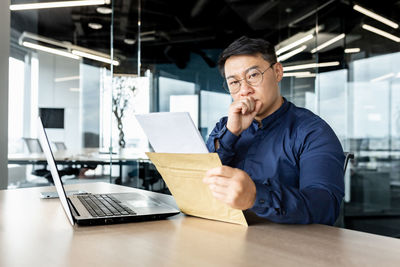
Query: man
[282,162]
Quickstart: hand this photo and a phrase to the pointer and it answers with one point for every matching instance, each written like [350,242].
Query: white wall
[61,94]
[4,54]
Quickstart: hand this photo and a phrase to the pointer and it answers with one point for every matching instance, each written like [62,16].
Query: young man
[282,162]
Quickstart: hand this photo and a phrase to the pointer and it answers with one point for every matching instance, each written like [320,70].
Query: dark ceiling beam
[188,41]
[312,12]
[261,11]
[198,8]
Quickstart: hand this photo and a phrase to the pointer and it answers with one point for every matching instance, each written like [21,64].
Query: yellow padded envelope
[183,174]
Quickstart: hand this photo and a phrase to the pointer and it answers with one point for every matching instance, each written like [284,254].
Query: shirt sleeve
[321,184]
[226,140]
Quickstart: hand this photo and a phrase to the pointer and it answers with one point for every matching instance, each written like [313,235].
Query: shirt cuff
[226,139]
[265,197]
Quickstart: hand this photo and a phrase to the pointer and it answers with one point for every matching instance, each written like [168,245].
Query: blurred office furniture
[340,220]
[83,158]
[67,169]
[91,140]
[375,191]
[348,156]
[371,190]
[16,175]
[34,147]
[149,176]
[60,146]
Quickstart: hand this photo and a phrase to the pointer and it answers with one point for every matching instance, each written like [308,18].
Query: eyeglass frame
[226,86]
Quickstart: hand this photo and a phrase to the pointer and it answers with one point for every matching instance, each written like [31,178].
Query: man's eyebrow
[250,68]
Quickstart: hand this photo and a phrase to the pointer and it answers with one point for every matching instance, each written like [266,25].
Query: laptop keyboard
[104,206]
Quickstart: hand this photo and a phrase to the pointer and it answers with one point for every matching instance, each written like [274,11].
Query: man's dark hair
[247,46]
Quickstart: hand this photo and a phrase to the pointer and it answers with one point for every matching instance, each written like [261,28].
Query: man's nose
[245,88]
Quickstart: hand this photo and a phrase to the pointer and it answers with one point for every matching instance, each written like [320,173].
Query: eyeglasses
[253,77]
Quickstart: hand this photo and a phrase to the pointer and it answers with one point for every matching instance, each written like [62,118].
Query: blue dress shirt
[295,160]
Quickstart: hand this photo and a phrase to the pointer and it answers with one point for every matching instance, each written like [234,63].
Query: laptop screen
[53,169]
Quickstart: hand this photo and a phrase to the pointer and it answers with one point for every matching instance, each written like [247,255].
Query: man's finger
[216,180]
[218,189]
[223,171]
[251,103]
[257,107]
[244,109]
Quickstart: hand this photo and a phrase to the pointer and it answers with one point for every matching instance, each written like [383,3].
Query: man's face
[267,92]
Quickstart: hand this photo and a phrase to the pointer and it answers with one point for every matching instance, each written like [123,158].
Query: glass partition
[59,70]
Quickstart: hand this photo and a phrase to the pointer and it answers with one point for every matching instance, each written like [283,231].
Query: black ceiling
[174,28]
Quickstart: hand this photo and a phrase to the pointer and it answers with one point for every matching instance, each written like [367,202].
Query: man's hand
[241,114]
[231,186]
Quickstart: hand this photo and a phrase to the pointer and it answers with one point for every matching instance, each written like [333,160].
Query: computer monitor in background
[52,117]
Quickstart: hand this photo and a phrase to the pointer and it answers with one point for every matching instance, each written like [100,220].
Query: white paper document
[172,132]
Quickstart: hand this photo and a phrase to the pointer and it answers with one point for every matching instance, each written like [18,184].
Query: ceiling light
[150,38]
[58,4]
[311,66]
[95,57]
[76,50]
[383,77]
[380,32]
[309,75]
[74,89]
[292,53]
[375,16]
[129,41]
[291,74]
[294,44]
[352,50]
[95,26]
[328,43]
[50,50]
[104,10]
[66,79]
[302,74]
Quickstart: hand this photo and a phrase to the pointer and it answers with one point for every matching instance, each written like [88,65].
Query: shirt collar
[266,122]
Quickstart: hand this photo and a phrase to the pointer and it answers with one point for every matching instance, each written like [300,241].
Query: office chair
[66,170]
[149,174]
[34,146]
[340,220]
[60,146]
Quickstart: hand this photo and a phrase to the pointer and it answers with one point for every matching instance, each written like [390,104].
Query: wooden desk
[35,232]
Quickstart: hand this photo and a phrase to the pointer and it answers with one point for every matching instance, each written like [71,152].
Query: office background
[339,62]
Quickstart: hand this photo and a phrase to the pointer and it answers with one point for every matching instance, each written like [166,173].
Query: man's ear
[278,71]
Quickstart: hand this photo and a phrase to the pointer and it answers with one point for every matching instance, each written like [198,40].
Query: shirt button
[261,201]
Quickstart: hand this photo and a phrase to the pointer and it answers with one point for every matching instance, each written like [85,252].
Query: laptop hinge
[75,213]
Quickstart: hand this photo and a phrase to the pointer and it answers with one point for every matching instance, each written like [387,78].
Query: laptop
[95,209]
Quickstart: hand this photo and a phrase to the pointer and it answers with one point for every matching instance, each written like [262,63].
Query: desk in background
[84,157]
[36,232]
